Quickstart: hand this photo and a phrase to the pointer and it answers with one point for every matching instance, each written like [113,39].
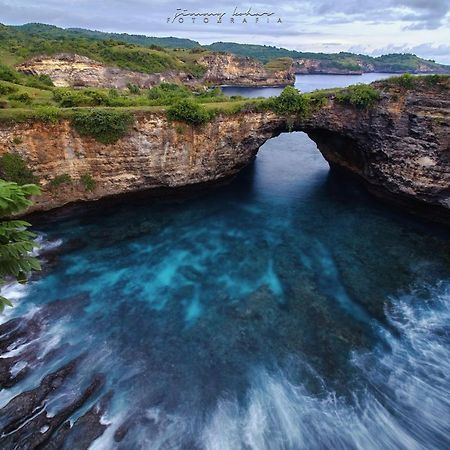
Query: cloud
[419,14]
[326,25]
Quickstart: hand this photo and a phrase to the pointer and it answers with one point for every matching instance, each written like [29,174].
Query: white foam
[406,405]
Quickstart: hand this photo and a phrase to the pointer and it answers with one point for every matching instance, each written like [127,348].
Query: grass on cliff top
[53,104]
[275,65]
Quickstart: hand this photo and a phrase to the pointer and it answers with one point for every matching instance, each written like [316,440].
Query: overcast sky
[366,26]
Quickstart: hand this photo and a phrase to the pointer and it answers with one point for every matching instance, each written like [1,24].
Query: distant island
[159,54]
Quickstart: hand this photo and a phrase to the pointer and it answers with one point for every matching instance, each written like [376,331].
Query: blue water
[286,310]
[306,83]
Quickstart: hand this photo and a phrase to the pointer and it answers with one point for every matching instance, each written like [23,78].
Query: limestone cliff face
[400,149]
[155,154]
[66,69]
[315,66]
[79,71]
[225,68]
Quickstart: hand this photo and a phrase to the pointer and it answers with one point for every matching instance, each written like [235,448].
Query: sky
[372,27]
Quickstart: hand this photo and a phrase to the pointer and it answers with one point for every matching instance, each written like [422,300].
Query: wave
[405,404]
[15,291]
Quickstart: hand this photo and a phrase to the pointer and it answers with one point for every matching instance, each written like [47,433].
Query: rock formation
[358,66]
[314,66]
[225,68]
[66,69]
[400,149]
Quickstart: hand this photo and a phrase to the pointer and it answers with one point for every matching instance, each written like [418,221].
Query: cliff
[306,66]
[227,69]
[400,149]
[354,65]
[66,69]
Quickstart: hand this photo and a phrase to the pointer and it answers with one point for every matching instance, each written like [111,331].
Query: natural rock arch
[400,149]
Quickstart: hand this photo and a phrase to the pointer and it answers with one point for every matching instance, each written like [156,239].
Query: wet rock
[25,405]
[18,332]
[8,376]
[38,430]
[84,431]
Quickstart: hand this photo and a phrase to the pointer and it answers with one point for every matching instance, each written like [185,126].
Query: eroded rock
[400,148]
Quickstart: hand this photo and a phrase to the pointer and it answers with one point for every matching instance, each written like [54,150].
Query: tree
[16,242]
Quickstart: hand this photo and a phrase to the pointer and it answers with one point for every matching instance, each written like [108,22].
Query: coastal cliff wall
[400,149]
[225,68]
[66,69]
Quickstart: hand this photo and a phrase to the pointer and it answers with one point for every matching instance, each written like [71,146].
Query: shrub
[289,101]
[7,89]
[105,126]
[96,97]
[38,81]
[167,93]
[69,98]
[14,168]
[433,80]
[22,97]
[196,70]
[406,81]
[187,110]
[8,74]
[359,95]
[47,113]
[17,140]
[133,89]
[65,178]
[88,182]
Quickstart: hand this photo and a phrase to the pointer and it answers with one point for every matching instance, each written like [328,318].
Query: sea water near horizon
[307,83]
[285,310]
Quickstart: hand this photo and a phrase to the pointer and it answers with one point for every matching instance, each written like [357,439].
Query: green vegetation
[10,74]
[396,62]
[187,110]
[14,168]
[166,93]
[22,97]
[16,242]
[359,95]
[67,97]
[105,126]
[47,113]
[60,180]
[44,31]
[20,43]
[88,182]
[6,89]
[279,64]
[405,81]
[289,101]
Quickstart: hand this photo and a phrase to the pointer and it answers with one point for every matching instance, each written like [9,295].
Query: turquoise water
[286,310]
